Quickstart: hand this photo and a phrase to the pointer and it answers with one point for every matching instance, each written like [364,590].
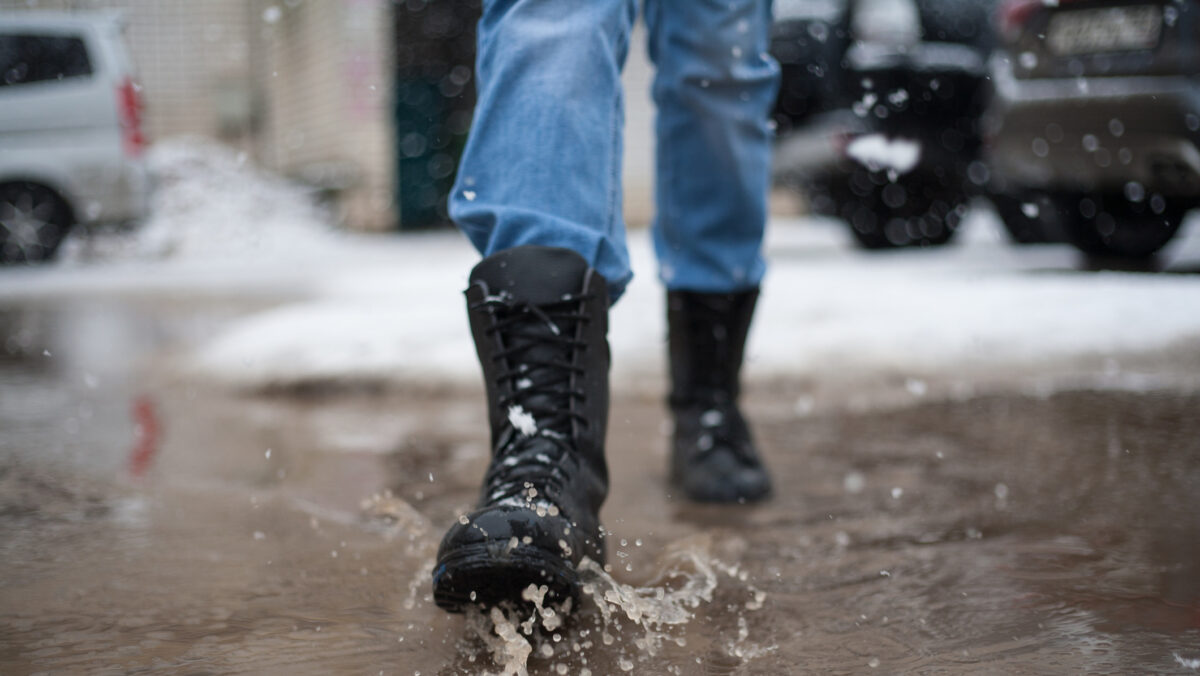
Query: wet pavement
[150,523]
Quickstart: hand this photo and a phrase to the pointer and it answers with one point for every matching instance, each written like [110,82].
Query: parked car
[1093,135]
[71,140]
[809,39]
[879,112]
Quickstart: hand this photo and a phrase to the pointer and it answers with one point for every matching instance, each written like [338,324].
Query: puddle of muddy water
[295,534]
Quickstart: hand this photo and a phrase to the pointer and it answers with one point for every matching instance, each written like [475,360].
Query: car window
[25,59]
[962,21]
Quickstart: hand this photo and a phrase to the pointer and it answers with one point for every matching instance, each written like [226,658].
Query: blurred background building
[366,101]
[302,87]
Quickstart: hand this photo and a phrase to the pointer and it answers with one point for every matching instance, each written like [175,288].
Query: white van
[71,140]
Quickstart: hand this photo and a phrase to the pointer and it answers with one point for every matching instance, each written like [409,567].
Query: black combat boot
[539,317]
[713,457]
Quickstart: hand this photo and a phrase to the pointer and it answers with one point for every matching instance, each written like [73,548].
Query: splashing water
[635,622]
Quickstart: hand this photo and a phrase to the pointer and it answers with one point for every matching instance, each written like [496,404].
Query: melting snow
[876,152]
[1188,663]
[522,420]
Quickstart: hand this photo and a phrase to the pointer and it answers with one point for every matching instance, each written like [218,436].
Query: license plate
[1113,29]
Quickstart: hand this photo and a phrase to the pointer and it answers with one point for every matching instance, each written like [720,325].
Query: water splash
[630,623]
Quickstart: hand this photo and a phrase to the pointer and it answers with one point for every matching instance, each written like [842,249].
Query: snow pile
[876,152]
[827,310]
[210,202]
[379,308]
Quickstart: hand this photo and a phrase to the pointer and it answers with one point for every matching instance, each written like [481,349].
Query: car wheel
[1026,218]
[33,222]
[1111,225]
[902,214]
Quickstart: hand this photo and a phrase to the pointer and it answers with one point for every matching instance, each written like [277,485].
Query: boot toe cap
[507,527]
[745,485]
[491,555]
[720,477]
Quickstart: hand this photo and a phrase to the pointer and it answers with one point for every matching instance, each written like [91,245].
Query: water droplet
[1134,191]
[272,14]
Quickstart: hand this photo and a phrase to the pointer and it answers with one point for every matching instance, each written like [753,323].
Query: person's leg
[543,161]
[714,89]
[539,195]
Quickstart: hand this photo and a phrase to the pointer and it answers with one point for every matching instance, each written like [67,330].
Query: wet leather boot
[713,456]
[539,317]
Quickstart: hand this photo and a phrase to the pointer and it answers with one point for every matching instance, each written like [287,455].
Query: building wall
[301,85]
[638,165]
[326,71]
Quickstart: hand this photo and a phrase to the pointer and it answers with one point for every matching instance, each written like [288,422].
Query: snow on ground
[390,307]
[826,309]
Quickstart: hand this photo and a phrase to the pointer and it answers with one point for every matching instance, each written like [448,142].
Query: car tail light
[1013,16]
[129,110]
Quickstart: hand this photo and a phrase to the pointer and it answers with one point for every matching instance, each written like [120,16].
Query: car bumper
[1095,134]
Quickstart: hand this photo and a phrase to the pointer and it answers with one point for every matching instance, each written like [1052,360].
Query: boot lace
[534,370]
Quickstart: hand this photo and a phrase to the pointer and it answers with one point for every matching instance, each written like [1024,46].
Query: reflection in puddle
[147,435]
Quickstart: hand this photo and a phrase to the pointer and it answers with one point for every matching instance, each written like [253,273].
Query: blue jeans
[543,161]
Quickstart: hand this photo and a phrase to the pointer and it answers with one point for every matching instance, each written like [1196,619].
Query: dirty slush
[294,532]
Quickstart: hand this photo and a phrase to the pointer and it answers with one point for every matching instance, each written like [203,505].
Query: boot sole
[730,497]
[476,570]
